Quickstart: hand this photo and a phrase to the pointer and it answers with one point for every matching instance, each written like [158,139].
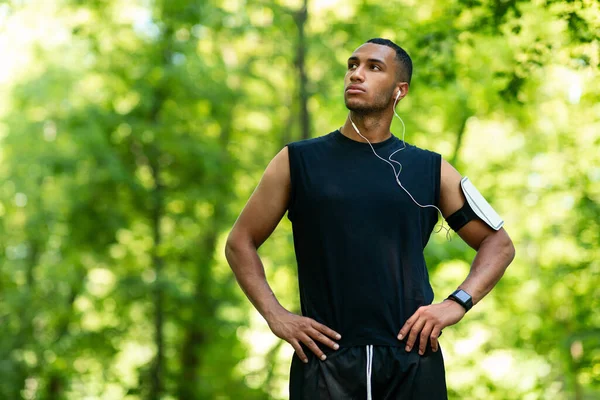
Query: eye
[376,67]
[352,65]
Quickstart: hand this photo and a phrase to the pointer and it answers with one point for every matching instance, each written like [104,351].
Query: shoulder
[422,151]
[278,169]
[425,156]
[452,197]
[309,143]
[290,152]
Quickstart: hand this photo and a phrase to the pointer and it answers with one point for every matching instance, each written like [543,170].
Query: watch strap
[463,298]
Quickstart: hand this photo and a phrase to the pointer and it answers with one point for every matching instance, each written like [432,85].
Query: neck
[376,128]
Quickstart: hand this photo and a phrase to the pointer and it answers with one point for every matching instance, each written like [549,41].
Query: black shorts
[395,375]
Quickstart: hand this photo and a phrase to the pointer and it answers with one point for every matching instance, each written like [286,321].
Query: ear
[401,91]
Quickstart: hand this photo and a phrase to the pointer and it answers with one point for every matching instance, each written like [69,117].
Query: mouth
[354,89]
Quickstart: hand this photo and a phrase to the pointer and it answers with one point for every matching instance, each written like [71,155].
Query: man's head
[378,71]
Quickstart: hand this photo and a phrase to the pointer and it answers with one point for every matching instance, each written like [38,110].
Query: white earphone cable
[397,174]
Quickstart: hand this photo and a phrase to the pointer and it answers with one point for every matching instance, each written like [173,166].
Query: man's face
[370,80]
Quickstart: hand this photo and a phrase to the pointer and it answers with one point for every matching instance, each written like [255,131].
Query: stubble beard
[377,106]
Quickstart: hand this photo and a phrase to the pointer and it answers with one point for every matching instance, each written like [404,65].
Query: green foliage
[132,133]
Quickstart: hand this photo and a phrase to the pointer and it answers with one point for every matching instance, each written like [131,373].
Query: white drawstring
[369,368]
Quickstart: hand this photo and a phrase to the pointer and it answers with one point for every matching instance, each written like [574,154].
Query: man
[368,328]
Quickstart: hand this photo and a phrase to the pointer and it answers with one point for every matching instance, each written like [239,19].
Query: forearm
[250,275]
[494,255]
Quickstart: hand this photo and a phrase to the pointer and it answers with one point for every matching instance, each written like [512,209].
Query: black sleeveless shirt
[358,236]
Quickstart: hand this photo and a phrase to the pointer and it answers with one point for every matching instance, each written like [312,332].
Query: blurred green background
[133,131]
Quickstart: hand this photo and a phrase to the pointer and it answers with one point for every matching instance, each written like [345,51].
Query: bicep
[267,204]
[452,199]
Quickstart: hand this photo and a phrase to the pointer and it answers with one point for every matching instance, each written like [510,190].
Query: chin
[359,108]
[354,105]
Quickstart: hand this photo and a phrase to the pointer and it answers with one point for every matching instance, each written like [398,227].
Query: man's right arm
[258,219]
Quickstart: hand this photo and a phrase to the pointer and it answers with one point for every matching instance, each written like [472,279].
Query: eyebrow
[377,60]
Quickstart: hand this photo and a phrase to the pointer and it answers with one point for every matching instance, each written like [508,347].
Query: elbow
[231,247]
[510,253]
[235,245]
[513,252]
[502,246]
[232,251]
[508,249]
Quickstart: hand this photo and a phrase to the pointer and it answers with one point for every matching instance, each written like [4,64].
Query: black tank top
[358,236]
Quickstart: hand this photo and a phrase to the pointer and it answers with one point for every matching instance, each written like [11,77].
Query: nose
[357,75]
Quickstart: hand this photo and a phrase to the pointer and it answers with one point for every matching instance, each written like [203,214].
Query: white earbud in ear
[398,95]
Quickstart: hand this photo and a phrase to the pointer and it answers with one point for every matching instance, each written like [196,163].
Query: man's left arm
[495,251]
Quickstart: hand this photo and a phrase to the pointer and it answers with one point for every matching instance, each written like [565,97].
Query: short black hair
[404,73]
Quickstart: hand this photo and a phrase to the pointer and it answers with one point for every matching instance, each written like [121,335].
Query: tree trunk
[157,262]
[300,18]
[459,138]
[157,371]
[56,382]
[195,336]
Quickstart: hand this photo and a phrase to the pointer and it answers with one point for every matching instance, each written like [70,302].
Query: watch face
[462,296]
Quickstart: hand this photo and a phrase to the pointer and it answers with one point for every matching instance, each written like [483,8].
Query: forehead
[372,50]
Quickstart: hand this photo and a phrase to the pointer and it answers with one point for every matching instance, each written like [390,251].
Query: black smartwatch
[463,298]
